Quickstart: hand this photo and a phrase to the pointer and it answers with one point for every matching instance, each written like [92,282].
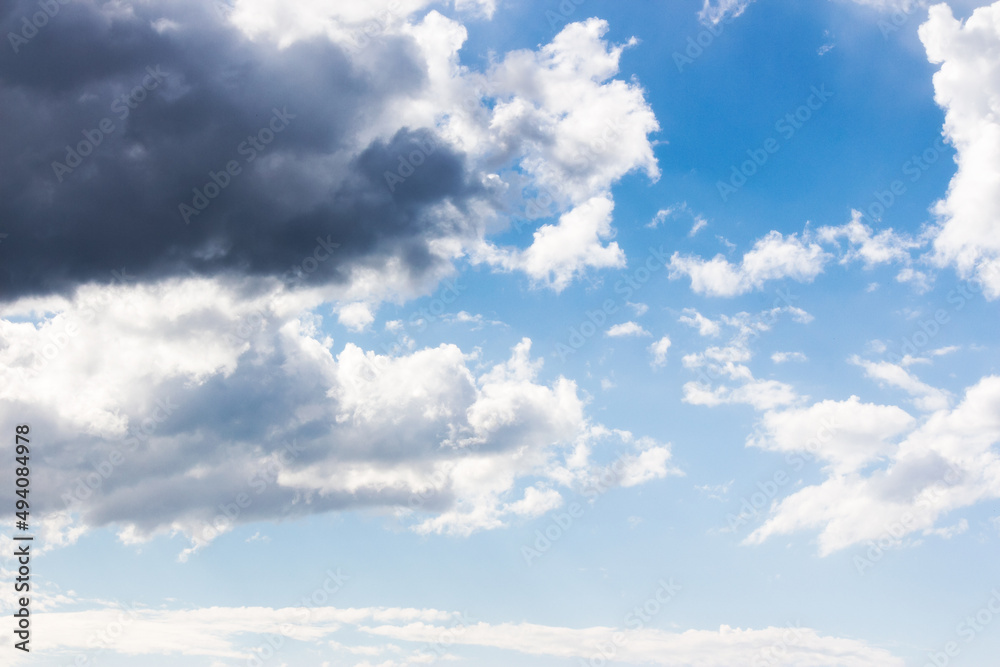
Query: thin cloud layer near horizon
[492,332]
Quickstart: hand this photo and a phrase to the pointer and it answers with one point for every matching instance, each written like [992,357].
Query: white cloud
[872,249]
[294,424]
[659,351]
[698,221]
[536,502]
[639,308]
[845,434]
[587,129]
[715,11]
[774,257]
[627,329]
[660,217]
[924,396]
[356,316]
[551,125]
[228,633]
[944,462]
[565,250]
[783,357]
[721,10]
[571,131]
[705,326]
[967,86]
[760,394]
[694,648]
[728,362]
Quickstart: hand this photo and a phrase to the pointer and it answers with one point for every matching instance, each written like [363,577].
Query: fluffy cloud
[705,326]
[297,425]
[783,357]
[872,249]
[778,257]
[888,474]
[572,131]
[561,251]
[659,351]
[924,396]
[627,329]
[720,10]
[774,257]
[967,86]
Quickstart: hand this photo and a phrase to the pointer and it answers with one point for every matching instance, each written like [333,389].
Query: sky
[492,332]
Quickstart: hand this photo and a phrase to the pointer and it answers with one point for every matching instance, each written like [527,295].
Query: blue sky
[549,385]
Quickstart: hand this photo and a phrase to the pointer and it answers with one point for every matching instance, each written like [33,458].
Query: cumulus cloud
[967,87]
[356,316]
[870,248]
[774,257]
[573,130]
[705,326]
[803,258]
[887,473]
[562,251]
[659,351]
[297,425]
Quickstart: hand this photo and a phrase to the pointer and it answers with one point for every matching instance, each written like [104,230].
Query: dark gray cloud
[212,98]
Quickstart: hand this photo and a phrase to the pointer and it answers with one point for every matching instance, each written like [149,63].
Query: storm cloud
[162,140]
